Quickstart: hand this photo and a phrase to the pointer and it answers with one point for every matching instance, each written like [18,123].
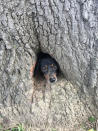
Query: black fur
[40,61]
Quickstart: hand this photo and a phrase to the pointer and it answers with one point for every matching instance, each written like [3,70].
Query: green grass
[91,129]
[1,127]
[92,119]
[53,129]
[17,128]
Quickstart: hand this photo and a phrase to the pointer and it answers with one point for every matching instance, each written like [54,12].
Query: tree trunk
[68,31]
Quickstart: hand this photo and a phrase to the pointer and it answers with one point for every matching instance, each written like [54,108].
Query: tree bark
[68,31]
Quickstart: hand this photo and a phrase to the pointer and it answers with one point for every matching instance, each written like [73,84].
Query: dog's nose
[52,80]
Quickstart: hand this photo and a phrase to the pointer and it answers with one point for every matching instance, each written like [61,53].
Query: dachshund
[47,67]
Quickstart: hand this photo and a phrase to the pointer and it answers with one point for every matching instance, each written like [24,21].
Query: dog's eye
[53,66]
[44,68]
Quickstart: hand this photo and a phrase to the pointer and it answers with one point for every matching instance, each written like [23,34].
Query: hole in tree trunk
[46,67]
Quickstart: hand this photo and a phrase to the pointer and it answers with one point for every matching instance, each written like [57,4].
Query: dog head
[49,68]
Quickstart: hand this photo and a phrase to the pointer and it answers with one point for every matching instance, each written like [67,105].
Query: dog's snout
[52,80]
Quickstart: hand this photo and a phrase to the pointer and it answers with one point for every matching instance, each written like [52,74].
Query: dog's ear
[37,68]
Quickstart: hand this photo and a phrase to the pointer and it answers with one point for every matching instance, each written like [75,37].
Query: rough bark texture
[67,30]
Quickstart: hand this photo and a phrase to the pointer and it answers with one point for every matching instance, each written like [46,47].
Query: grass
[17,128]
[87,126]
[1,127]
[53,129]
[90,124]
[91,129]
[92,119]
